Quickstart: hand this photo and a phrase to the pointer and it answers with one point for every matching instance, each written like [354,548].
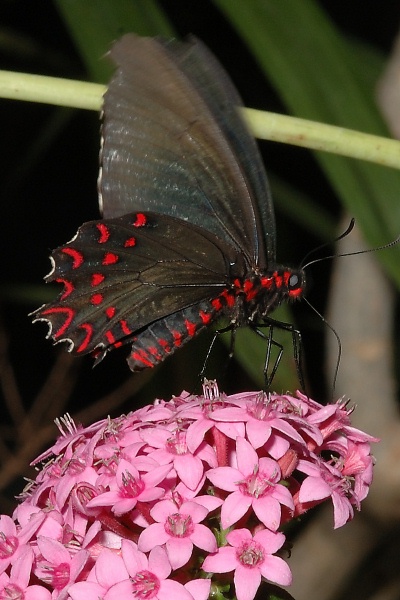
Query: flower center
[258,484]
[145,585]
[131,487]
[260,408]
[179,525]
[84,493]
[250,554]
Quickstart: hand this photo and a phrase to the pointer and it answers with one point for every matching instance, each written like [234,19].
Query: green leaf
[94,25]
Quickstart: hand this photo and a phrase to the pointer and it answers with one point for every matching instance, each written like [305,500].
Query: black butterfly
[188,233]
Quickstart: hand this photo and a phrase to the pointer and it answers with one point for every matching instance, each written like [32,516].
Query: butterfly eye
[296,285]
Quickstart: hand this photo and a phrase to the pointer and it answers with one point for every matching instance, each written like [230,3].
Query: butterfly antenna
[348,230]
[318,248]
[339,343]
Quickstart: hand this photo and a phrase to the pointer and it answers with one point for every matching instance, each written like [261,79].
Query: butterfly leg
[232,328]
[296,342]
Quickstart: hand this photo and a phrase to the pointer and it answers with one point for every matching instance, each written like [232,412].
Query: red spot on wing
[68,287]
[130,242]
[110,312]
[296,292]
[96,299]
[97,278]
[165,345]
[267,282]
[250,290]
[278,280]
[57,310]
[104,233]
[229,298]
[155,353]
[76,256]
[110,337]
[124,327]
[237,283]
[140,221]
[110,258]
[89,333]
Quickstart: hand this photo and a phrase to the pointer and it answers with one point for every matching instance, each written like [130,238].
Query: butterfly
[188,229]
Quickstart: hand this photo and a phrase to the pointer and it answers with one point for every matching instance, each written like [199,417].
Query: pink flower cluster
[181,499]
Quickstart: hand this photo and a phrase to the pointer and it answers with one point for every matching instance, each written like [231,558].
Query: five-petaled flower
[255,483]
[178,527]
[250,557]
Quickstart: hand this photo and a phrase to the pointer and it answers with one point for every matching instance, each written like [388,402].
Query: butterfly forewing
[164,148]
[222,98]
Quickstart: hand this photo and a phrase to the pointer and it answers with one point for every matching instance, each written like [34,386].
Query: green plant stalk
[263,124]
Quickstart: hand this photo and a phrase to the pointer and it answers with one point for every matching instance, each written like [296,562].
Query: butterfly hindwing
[120,275]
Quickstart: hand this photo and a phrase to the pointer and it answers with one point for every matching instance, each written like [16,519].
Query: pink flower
[254,483]
[109,579]
[263,418]
[250,557]
[56,566]
[326,481]
[178,527]
[132,487]
[199,588]
[139,506]
[16,585]
[13,540]
[172,448]
[149,575]
[357,464]
[208,416]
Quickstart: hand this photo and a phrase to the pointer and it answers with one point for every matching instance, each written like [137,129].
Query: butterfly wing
[175,144]
[206,73]
[121,275]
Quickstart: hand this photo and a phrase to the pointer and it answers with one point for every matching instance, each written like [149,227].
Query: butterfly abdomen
[163,337]
[248,300]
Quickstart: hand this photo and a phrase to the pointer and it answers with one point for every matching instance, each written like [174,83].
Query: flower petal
[247,581]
